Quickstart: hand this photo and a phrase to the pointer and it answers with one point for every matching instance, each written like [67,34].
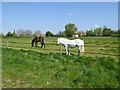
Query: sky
[53,16]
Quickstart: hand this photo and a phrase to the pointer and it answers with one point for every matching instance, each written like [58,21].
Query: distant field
[34,67]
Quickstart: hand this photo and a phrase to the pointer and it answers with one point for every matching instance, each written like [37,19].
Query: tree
[64,35]
[13,34]
[1,35]
[37,33]
[112,32]
[48,34]
[20,32]
[98,31]
[115,33]
[70,30]
[82,33]
[119,31]
[28,33]
[9,34]
[60,33]
[104,27]
[106,31]
[14,31]
[89,33]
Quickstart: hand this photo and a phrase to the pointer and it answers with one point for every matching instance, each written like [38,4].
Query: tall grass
[30,69]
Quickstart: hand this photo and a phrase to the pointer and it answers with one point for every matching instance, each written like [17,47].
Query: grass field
[30,69]
[26,66]
[112,42]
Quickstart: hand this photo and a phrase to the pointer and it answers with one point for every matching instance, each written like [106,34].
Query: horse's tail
[43,41]
[82,48]
[32,43]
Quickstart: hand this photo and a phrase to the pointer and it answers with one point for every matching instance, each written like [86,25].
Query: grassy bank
[31,69]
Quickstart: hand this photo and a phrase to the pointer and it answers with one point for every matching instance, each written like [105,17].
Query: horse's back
[67,41]
[72,42]
[79,42]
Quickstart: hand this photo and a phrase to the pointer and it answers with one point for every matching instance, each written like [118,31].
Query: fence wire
[57,44]
[71,51]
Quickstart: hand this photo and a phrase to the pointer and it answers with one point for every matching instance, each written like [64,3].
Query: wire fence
[64,50]
[57,44]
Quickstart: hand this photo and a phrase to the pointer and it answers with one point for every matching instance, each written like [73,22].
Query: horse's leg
[79,51]
[32,44]
[41,44]
[83,48]
[36,43]
[68,52]
[44,45]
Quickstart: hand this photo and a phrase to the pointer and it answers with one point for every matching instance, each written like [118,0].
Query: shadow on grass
[45,49]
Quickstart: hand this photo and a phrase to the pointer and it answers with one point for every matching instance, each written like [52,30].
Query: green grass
[31,69]
[26,66]
[93,41]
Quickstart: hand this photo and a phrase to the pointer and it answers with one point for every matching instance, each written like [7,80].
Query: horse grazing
[71,44]
[38,39]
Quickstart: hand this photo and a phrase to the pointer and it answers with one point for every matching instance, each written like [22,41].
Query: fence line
[63,50]
[57,44]
[7,44]
[70,51]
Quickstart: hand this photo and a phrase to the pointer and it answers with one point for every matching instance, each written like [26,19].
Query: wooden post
[7,44]
[60,48]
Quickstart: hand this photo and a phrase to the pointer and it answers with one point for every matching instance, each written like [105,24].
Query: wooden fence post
[60,48]
[7,44]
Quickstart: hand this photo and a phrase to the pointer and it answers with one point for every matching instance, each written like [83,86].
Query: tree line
[70,30]
[102,32]
[22,33]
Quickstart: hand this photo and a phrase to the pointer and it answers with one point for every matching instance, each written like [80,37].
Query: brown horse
[38,39]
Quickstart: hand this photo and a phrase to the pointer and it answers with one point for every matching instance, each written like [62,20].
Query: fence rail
[64,50]
[57,44]
[71,51]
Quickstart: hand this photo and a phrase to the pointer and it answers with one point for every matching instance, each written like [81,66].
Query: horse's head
[60,40]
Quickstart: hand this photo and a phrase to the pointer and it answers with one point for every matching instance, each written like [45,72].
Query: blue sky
[53,16]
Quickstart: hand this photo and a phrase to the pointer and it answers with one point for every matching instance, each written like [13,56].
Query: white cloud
[69,14]
[54,21]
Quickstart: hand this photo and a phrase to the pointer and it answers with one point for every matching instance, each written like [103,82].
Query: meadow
[25,43]
[30,67]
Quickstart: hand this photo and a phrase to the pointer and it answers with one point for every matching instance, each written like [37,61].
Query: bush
[48,34]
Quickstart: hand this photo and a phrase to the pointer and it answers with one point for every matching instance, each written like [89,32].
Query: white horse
[71,44]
